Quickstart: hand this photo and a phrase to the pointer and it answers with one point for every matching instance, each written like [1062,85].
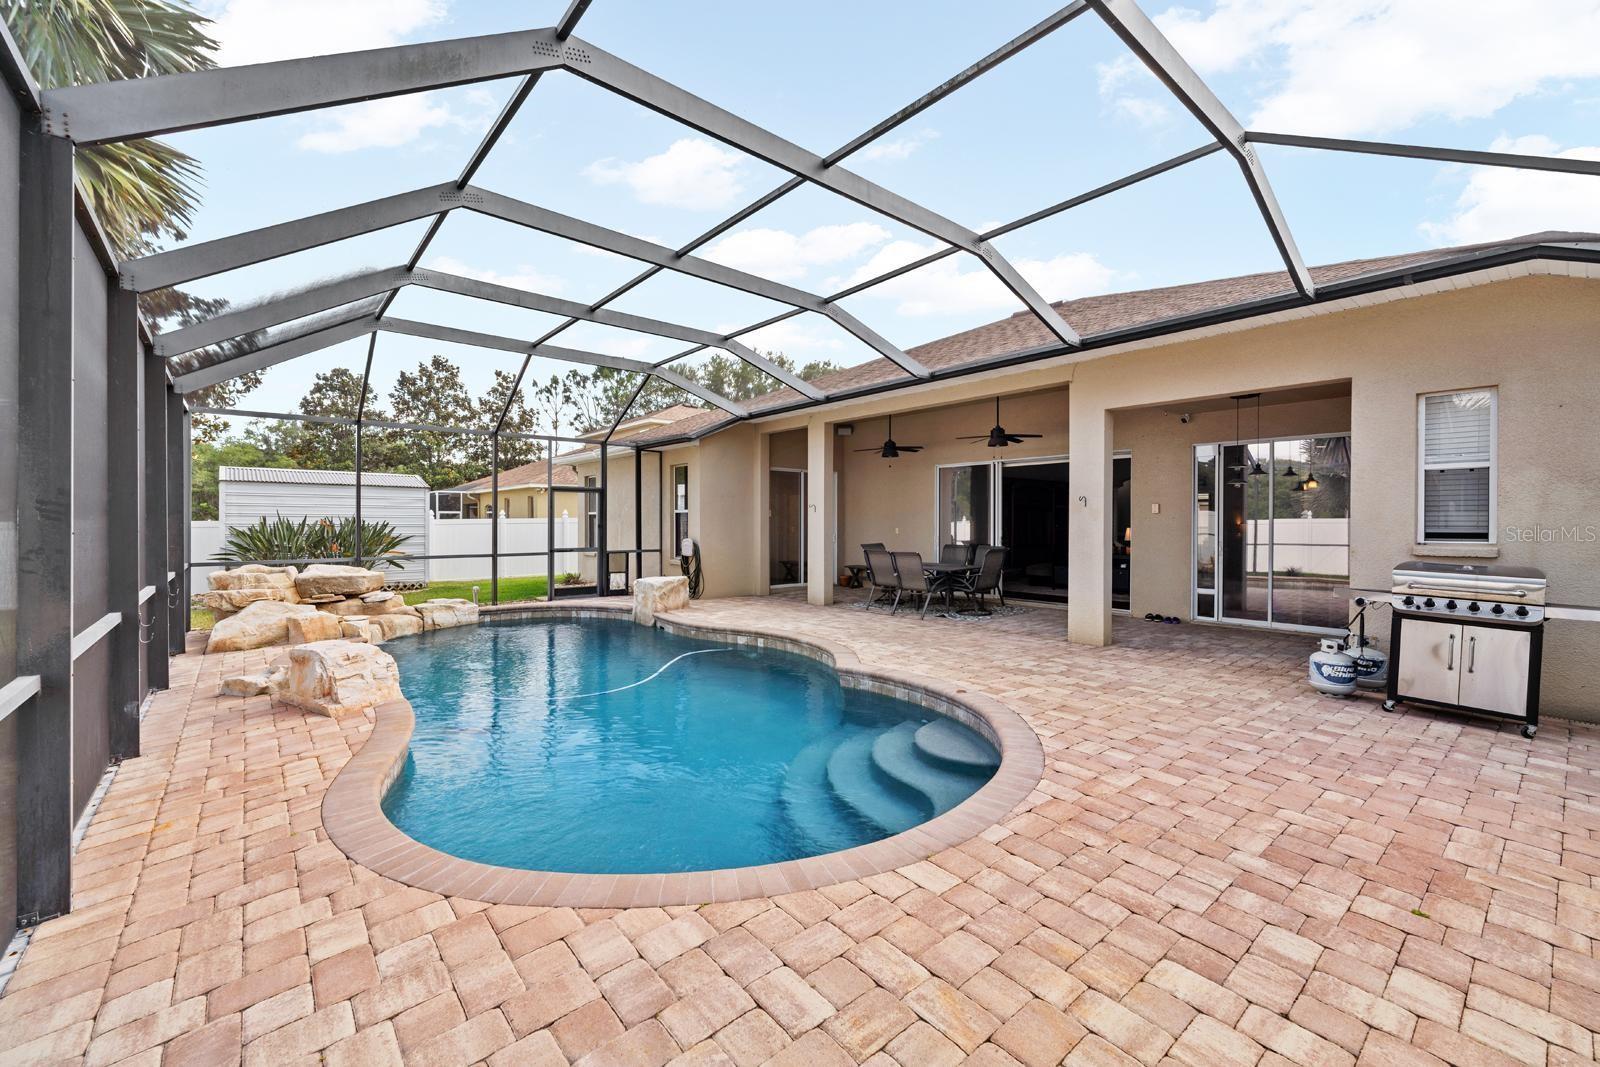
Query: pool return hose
[689,562]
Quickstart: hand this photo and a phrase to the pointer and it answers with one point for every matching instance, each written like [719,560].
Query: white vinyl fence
[453,537]
[1309,546]
[448,537]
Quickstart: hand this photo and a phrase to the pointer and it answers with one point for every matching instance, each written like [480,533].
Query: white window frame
[676,511]
[1423,467]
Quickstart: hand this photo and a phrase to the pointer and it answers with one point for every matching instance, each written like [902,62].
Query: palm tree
[142,191]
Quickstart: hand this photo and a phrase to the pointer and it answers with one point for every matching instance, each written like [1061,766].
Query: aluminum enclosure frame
[141,108]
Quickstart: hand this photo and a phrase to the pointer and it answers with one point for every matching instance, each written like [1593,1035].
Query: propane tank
[1372,663]
[1332,671]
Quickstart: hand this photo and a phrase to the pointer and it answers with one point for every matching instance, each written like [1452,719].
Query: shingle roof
[1090,316]
[1108,312]
[524,476]
[294,476]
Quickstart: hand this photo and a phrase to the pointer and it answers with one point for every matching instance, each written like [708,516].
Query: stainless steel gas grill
[1468,637]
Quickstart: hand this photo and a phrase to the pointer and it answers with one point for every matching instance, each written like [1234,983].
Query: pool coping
[353,816]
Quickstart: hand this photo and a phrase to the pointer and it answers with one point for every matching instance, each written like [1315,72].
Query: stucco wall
[894,500]
[1163,456]
[1533,338]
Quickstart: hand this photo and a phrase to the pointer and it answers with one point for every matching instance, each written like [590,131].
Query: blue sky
[1068,114]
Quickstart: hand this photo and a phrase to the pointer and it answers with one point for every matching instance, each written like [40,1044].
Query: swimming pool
[604,747]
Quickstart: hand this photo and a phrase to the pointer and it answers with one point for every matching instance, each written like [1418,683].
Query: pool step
[949,744]
[896,756]
[855,783]
[809,803]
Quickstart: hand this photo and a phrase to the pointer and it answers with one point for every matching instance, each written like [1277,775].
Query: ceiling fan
[890,450]
[997,437]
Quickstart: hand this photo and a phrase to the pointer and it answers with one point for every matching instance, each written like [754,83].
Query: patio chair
[954,553]
[881,578]
[977,586]
[910,579]
[975,553]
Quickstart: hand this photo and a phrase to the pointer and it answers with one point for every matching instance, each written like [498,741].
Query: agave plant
[281,538]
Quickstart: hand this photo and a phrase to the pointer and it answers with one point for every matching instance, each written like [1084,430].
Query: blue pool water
[604,747]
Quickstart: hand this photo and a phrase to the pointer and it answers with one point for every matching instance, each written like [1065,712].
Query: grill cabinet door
[1494,670]
[1430,660]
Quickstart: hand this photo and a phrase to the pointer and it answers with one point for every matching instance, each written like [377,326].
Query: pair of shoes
[1173,619]
[1151,616]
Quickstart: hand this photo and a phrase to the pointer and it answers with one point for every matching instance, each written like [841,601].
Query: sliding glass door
[786,530]
[1025,505]
[1272,532]
[966,505]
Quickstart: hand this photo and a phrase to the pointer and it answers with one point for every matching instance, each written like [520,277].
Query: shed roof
[295,476]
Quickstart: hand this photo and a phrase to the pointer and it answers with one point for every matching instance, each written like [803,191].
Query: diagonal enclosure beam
[482,290]
[144,107]
[206,258]
[544,220]
[567,355]
[1032,35]
[337,333]
[273,354]
[248,320]
[148,107]
[644,88]
[1517,160]
[1147,42]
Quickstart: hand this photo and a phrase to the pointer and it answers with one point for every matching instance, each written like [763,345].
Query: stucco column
[820,564]
[1089,521]
[761,529]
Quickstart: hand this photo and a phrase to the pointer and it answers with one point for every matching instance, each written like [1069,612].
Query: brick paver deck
[1219,867]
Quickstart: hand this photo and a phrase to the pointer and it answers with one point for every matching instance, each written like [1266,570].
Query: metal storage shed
[246,495]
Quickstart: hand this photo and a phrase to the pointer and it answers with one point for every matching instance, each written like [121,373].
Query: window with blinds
[1457,436]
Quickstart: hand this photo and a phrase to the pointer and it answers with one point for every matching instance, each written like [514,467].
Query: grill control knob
[1449,605]
[1428,603]
[1498,609]
[1522,610]
[1473,606]
[1408,601]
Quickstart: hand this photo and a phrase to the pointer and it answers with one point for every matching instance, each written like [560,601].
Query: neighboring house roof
[672,423]
[295,476]
[525,476]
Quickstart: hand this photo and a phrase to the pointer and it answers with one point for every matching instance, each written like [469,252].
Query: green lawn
[512,590]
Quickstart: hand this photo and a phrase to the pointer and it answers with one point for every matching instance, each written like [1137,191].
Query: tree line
[570,404]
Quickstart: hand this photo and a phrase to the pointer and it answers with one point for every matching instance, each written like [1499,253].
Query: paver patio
[1219,867]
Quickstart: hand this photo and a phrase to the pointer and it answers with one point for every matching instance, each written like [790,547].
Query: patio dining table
[942,579]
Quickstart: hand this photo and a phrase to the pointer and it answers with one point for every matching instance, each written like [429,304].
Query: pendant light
[1256,469]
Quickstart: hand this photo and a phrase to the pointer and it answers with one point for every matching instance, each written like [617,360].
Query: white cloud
[794,338]
[1132,92]
[949,287]
[1498,202]
[693,173]
[386,123]
[258,31]
[524,277]
[1146,111]
[900,147]
[783,256]
[1368,67]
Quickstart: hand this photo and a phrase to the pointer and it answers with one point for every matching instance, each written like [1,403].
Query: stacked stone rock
[257,606]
